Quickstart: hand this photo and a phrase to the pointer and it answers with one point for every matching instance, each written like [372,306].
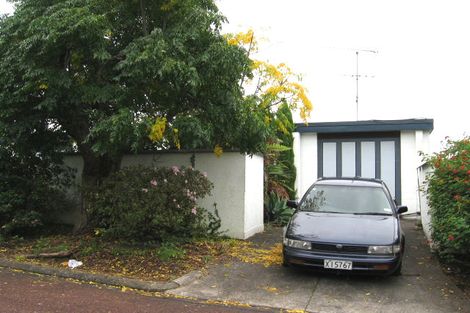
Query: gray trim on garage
[366,126]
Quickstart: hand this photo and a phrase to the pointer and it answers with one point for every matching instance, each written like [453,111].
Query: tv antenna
[357,77]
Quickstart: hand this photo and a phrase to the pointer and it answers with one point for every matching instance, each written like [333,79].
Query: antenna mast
[357,78]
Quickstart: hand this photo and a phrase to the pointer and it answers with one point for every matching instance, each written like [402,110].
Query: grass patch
[46,245]
[169,251]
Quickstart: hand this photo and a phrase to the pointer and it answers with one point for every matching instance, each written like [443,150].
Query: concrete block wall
[237,178]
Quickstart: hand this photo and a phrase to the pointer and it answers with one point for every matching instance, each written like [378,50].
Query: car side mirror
[292,204]
[402,209]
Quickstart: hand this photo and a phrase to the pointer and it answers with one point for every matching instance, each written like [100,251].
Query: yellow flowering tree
[273,84]
[277,91]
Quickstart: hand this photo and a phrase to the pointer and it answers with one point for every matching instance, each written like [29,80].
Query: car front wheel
[397,271]
[284,262]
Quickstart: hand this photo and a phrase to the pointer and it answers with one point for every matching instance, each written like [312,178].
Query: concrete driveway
[423,287]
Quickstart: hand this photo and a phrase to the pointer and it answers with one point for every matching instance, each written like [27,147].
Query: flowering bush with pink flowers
[152,204]
[449,199]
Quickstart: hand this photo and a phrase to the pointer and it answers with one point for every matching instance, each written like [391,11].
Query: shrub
[278,211]
[279,168]
[152,204]
[31,193]
[449,199]
[286,157]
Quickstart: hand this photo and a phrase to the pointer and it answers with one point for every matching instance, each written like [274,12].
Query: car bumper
[360,263]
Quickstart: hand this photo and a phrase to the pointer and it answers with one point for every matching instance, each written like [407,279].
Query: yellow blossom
[304,114]
[218,150]
[267,120]
[274,71]
[275,90]
[255,64]
[241,38]
[233,41]
[176,138]
[246,252]
[158,129]
[167,6]
[282,127]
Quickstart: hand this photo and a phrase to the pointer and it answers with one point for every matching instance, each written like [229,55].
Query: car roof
[349,181]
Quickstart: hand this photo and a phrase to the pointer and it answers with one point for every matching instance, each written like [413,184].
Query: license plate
[338,264]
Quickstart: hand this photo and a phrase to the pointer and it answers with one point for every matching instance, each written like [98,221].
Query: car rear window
[347,199]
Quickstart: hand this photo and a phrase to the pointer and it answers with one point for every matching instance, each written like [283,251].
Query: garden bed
[147,262]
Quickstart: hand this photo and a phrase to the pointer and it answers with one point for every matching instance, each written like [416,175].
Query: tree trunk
[95,169]
[144,18]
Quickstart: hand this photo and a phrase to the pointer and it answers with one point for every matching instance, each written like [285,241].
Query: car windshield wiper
[372,213]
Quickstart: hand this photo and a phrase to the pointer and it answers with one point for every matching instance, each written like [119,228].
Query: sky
[421,68]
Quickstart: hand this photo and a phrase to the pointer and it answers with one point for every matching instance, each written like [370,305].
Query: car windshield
[347,199]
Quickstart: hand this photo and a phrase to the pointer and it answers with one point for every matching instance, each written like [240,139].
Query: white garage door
[373,157]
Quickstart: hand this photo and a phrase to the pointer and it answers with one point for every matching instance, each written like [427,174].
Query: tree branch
[258,86]
[62,254]
[248,56]
[144,18]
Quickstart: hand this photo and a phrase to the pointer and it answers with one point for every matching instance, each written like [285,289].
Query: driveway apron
[422,287]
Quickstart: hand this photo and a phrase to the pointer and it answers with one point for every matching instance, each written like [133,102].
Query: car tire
[284,262]
[397,271]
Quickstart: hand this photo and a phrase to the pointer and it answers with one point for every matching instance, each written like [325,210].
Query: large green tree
[93,75]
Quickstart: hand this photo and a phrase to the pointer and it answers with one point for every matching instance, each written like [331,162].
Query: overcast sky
[421,70]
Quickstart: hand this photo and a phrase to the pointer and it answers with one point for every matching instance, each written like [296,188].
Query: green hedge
[449,199]
[32,193]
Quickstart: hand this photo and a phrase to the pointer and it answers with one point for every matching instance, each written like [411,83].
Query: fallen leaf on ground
[271,289]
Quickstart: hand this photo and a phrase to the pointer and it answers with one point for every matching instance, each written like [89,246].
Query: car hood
[343,228]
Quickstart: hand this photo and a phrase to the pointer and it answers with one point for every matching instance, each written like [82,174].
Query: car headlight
[383,249]
[299,244]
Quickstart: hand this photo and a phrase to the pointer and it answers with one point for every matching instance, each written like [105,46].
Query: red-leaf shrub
[449,199]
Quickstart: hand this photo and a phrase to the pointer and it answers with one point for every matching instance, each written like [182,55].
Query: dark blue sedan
[346,225]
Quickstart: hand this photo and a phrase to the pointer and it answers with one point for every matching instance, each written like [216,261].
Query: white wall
[254,193]
[296,149]
[423,171]
[412,143]
[409,164]
[227,173]
[158,160]
[237,179]
[306,161]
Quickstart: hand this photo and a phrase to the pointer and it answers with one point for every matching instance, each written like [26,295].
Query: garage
[383,149]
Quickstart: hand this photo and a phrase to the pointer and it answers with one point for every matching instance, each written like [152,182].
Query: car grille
[346,249]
